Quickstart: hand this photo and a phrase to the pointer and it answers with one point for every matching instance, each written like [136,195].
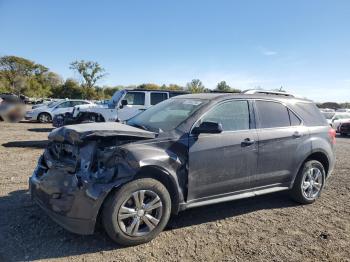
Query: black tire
[297,192]
[110,218]
[44,118]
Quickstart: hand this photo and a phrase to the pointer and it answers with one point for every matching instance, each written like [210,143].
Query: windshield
[115,98]
[328,115]
[166,115]
[53,104]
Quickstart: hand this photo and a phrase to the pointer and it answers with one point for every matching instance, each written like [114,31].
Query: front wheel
[309,182]
[137,212]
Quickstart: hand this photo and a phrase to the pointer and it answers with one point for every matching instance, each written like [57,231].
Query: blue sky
[303,46]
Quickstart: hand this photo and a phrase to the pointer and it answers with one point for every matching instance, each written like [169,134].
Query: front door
[136,104]
[223,163]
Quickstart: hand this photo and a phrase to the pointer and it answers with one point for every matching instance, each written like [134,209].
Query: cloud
[266,52]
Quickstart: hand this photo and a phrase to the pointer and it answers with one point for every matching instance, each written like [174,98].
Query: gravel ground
[266,228]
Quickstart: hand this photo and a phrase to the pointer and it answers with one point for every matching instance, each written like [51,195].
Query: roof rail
[266,92]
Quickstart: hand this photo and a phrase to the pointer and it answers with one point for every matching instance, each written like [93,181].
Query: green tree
[90,72]
[70,89]
[223,87]
[174,87]
[195,86]
[16,69]
[149,86]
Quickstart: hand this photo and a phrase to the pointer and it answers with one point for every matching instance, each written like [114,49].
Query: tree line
[22,76]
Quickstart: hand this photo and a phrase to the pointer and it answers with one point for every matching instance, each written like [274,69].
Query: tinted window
[272,114]
[310,114]
[232,115]
[158,97]
[294,120]
[135,98]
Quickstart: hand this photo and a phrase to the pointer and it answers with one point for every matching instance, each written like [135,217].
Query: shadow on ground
[41,130]
[27,233]
[30,144]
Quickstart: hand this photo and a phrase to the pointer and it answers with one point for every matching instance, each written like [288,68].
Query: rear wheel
[44,118]
[309,182]
[137,212]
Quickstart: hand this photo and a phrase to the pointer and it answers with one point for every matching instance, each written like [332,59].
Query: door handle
[297,134]
[247,142]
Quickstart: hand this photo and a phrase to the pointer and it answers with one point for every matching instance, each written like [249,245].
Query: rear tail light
[332,134]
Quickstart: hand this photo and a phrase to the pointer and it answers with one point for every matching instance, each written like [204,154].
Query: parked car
[44,114]
[339,118]
[184,152]
[123,105]
[344,129]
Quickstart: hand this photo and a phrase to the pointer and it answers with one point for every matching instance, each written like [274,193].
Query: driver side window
[233,115]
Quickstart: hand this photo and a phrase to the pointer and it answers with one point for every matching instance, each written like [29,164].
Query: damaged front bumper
[73,200]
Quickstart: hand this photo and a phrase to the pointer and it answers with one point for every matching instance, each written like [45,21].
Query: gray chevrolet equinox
[188,151]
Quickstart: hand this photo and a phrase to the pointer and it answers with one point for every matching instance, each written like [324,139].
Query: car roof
[224,96]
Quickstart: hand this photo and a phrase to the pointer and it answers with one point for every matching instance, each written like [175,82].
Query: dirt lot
[266,228]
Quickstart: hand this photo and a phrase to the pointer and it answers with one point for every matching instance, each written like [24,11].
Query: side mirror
[123,103]
[208,128]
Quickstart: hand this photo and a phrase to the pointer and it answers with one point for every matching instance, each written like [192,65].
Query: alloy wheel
[312,183]
[140,213]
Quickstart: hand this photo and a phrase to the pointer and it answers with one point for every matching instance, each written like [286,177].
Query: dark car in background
[184,152]
[344,129]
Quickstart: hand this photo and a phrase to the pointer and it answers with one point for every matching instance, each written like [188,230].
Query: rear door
[281,134]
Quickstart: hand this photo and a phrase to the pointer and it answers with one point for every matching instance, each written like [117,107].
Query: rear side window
[233,115]
[158,97]
[272,114]
[310,114]
[135,98]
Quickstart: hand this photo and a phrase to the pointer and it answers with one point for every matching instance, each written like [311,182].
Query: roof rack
[266,92]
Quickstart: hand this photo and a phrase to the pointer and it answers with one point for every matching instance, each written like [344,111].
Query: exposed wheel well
[322,158]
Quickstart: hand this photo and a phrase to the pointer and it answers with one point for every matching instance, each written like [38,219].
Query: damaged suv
[188,151]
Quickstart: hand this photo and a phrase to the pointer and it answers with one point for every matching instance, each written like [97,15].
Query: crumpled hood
[76,134]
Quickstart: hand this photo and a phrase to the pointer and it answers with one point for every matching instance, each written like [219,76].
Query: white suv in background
[45,114]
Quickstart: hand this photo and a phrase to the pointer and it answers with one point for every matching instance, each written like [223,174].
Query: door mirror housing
[208,128]
[123,103]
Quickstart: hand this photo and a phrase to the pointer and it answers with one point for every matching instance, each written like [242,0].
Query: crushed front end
[73,177]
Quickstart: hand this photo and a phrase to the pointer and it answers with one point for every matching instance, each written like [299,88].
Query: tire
[118,224]
[44,118]
[304,191]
